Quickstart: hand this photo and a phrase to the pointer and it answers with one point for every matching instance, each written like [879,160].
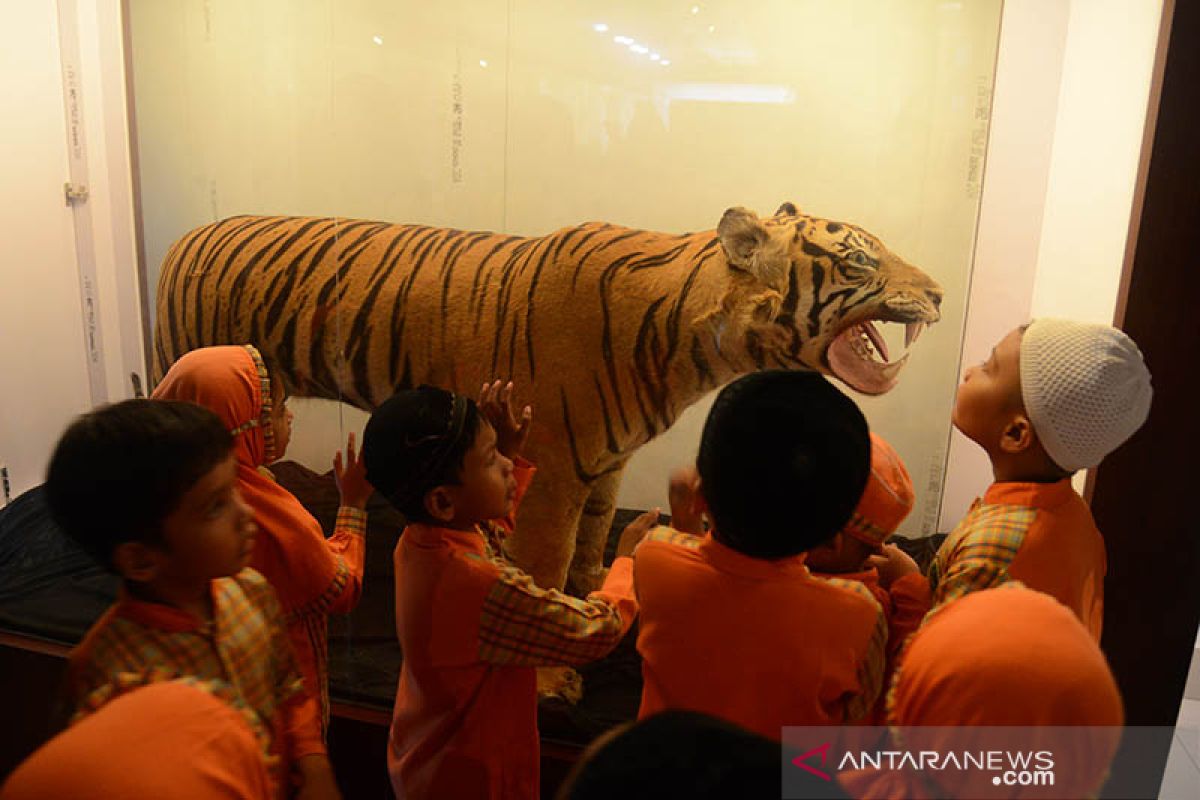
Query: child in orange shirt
[149,488]
[858,552]
[733,623]
[312,576]
[471,625]
[1054,397]
[1004,669]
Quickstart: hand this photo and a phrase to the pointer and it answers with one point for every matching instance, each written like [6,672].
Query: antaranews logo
[819,759]
[1010,768]
[823,751]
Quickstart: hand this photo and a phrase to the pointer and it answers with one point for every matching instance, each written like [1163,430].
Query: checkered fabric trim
[669,535]
[522,624]
[872,668]
[865,530]
[978,552]
[264,418]
[246,646]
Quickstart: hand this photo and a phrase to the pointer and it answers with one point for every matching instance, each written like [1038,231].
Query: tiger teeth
[911,331]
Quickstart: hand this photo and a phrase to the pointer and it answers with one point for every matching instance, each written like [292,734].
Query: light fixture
[695,9]
[600,27]
[377,39]
[712,28]
[640,49]
[482,62]
[655,56]
[623,40]
[665,63]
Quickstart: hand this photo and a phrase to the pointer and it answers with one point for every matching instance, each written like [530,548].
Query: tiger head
[812,292]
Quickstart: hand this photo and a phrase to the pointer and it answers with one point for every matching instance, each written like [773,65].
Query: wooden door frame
[1140,492]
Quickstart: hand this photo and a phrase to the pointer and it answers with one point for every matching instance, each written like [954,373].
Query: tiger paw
[563,683]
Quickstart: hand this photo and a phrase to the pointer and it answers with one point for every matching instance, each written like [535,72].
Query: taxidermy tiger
[609,332]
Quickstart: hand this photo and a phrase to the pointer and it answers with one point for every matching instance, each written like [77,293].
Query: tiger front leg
[544,540]
[587,570]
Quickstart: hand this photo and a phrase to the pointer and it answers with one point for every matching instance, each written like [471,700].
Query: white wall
[1072,84]
[44,373]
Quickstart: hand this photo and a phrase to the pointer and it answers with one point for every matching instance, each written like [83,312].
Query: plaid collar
[1031,495]
[164,617]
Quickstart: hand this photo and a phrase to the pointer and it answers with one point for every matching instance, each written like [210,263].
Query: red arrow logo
[823,751]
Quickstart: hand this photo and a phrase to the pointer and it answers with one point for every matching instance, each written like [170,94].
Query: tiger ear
[788,208]
[748,246]
[742,236]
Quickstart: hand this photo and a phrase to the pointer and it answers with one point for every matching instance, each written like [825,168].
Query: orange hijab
[233,382]
[179,738]
[1003,657]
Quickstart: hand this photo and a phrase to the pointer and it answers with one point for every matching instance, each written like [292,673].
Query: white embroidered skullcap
[1086,389]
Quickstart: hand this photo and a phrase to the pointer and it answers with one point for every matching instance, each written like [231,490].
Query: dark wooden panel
[1141,498]
[32,684]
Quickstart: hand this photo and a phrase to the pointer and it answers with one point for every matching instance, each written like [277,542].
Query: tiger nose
[935,295]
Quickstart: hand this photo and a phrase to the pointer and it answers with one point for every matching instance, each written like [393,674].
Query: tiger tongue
[857,370]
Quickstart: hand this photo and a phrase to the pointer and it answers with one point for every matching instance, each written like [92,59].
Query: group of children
[772,600]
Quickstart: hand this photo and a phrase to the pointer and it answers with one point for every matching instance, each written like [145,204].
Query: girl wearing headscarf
[1005,669]
[313,576]
[151,737]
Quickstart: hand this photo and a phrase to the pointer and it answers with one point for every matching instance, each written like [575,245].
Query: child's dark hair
[415,441]
[119,471]
[679,753]
[783,461]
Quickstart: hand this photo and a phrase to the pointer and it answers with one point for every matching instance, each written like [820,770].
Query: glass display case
[523,117]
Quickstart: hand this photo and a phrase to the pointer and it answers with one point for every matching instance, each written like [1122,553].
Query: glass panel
[524,117]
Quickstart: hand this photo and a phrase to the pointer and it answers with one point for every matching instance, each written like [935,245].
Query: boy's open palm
[495,403]
[351,476]
[635,531]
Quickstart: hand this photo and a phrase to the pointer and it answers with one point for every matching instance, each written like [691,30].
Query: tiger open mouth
[860,356]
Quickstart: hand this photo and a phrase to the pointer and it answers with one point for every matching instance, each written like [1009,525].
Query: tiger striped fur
[609,332]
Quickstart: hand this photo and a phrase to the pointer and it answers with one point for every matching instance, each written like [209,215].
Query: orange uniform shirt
[763,644]
[905,603]
[472,628]
[1041,534]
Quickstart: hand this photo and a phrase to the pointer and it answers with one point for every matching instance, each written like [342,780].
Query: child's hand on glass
[495,403]
[893,564]
[351,476]
[635,531]
[687,510]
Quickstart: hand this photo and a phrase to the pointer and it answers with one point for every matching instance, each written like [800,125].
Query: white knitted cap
[1085,387]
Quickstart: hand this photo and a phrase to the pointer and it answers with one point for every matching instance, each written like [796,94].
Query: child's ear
[439,504]
[135,561]
[1018,435]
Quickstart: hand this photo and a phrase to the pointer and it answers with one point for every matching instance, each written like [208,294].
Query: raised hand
[351,476]
[687,512]
[635,531]
[495,403]
[893,564]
